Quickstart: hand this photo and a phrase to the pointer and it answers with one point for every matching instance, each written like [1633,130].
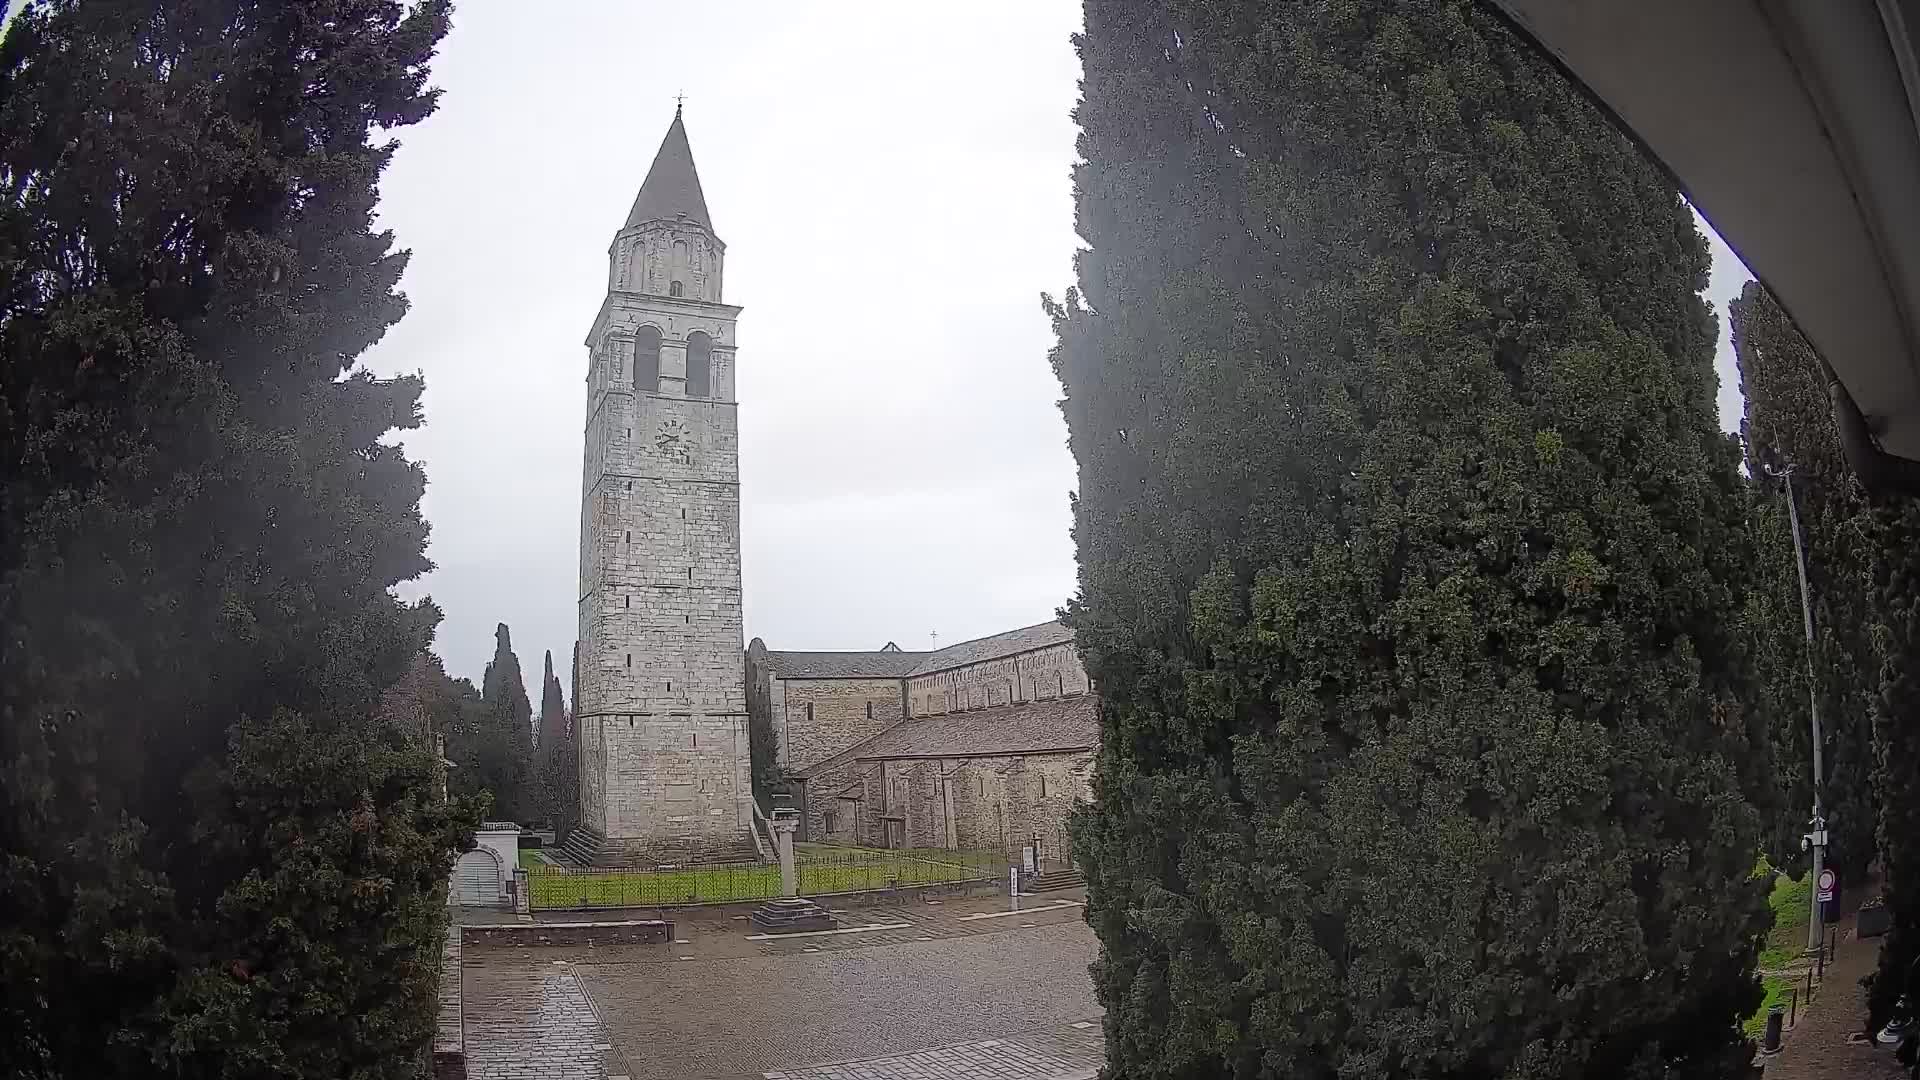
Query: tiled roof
[885,664]
[1030,727]
[992,648]
[895,664]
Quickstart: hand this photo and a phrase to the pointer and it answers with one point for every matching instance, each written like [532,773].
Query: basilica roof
[1051,725]
[876,664]
[983,649]
[892,663]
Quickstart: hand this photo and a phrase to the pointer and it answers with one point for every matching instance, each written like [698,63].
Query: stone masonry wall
[662,697]
[999,803]
[827,818]
[821,717]
[1029,676]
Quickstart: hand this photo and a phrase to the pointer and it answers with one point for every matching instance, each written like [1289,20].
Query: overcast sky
[891,180]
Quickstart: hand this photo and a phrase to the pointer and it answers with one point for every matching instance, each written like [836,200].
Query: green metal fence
[821,870]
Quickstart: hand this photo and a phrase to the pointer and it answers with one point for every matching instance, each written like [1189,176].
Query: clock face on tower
[673,441]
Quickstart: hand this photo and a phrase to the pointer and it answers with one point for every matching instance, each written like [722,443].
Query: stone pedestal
[791,914]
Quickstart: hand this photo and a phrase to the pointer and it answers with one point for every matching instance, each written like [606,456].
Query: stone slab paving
[527,1023]
[1071,1053]
[722,1019]
[717,1005]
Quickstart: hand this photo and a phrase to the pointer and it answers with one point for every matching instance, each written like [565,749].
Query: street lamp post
[1815,841]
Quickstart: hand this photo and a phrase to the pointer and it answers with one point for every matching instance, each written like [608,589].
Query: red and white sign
[1826,885]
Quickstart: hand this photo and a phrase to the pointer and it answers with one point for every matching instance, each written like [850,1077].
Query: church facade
[983,745]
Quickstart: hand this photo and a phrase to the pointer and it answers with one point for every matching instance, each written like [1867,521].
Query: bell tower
[662,713]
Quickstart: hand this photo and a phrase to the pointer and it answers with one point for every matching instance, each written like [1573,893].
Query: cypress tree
[1409,550]
[216,859]
[559,770]
[1896,748]
[498,749]
[1789,422]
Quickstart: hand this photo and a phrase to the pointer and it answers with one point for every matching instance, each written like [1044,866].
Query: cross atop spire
[672,187]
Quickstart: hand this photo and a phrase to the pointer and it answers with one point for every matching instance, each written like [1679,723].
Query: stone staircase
[587,847]
[584,846]
[1054,880]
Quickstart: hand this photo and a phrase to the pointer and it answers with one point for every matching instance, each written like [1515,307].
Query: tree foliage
[559,767]
[492,748]
[215,858]
[1896,748]
[1789,423]
[1409,550]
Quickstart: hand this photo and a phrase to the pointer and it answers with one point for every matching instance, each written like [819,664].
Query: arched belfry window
[646,360]
[677,289]
[699,365]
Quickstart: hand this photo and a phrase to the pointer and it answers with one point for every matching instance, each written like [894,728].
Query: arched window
[699,365]
[677,269]
[646,360]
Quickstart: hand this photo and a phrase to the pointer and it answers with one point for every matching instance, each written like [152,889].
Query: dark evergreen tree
[1409,556]
[495,751]
[1896,748]
[559,769]
[215,858]
[553,708]
[1789,423]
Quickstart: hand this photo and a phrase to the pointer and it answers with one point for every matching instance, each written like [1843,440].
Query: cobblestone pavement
[525,1023]
[1073,1053]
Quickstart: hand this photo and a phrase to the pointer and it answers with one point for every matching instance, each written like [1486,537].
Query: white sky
[892,183]
[891,179]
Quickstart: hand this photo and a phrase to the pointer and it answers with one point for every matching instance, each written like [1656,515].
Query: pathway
[1818,1047]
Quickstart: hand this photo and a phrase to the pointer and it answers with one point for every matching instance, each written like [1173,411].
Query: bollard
[1770,1042]
[1793,1006]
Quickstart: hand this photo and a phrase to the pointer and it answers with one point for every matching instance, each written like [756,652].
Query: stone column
[785,822]
[946,770]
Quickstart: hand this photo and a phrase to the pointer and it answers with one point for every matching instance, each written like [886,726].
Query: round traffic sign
[1826,881]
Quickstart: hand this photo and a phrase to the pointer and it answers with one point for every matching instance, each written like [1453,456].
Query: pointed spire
[672,186]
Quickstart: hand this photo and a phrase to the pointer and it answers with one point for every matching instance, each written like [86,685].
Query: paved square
[940,1000]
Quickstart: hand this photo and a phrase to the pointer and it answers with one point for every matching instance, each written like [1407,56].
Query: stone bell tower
[662,712]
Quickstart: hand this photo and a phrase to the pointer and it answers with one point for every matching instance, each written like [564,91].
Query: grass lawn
[1776,987]
[1791,902]
[821,870]
[1786,943]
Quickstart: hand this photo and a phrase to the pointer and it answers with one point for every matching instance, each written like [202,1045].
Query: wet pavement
[965,988]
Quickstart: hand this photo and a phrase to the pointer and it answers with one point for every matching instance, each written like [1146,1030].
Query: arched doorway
[476,879]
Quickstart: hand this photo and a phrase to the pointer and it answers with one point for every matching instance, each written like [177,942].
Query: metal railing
[821,871]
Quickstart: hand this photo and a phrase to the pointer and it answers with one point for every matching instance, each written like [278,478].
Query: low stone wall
[450,1034]
[624,932]
[540,933]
